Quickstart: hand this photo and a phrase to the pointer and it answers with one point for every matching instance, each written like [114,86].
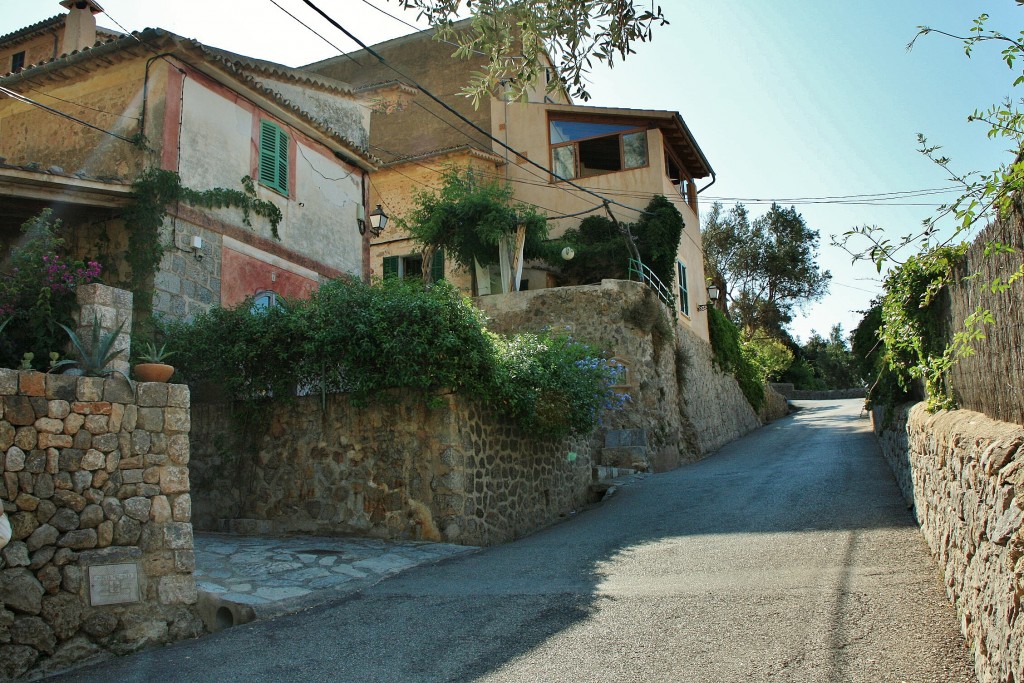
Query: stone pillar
[109,307]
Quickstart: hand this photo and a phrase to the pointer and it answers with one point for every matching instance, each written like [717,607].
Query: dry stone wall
[686,406]
[96,485]
[396,469]
[964,474]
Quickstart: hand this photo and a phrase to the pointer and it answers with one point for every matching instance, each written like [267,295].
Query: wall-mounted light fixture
[378,221]
[712,298]
[197,247]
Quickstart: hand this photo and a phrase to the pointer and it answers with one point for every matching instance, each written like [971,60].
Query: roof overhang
[25,192]
[677,136]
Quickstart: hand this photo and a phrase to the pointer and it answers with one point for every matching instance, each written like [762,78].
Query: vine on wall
[155,189]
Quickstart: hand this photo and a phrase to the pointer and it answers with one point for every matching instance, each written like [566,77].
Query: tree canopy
[468,218]
[514,34]
[765,268]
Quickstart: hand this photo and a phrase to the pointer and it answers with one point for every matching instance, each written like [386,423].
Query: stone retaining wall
[686,406]
[96,485]
[396,469]
[787,390]
[964,474]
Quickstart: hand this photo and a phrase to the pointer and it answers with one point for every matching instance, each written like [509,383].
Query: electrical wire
[318,35]
[27,100]
[461,117]
[84,106]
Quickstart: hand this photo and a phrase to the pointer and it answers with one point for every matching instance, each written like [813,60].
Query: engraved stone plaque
[113,584]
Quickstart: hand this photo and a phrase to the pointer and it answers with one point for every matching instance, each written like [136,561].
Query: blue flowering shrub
[553,385]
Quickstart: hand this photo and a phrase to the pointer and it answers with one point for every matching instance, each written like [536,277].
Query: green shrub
[728,355]
[362,339]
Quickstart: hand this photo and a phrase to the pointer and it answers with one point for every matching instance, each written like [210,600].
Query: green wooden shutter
[437,267]
[390,266]
[273,157]
[684,293]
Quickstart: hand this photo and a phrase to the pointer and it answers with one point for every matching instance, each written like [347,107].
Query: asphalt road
[787,556]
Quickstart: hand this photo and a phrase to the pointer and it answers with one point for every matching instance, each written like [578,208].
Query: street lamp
[712,298]
[378,221]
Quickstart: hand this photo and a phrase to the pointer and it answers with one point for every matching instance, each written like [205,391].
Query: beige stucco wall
[30,135]
[217,150]
[526,130]
[36,49]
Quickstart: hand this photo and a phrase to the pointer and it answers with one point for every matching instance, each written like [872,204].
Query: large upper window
[580,149]
[274,157]
[684,289]
[17,61]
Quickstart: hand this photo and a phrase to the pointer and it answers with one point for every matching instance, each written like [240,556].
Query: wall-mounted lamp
[197,247]
[712,298]
[378,221]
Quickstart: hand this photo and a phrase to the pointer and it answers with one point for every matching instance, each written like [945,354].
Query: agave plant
[152,354]
[93,358]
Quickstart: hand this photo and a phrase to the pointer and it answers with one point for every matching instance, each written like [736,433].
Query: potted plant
[153,368]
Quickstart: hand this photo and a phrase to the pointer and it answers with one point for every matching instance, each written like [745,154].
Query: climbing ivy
[155,189]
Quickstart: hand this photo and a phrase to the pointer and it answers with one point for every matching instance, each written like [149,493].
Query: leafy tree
[469,217]
[831,360]
[601,250]
[766,268]
[514,34]
[769,356]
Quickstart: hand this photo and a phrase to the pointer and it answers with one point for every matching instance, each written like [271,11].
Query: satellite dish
[568,253]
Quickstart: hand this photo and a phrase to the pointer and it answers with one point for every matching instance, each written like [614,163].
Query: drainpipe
[713,179]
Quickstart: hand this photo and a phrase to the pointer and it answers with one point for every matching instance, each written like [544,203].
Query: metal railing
[647,276]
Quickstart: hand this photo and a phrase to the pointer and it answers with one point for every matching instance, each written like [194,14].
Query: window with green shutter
[437,267]
[684,292]
[391,266]
[273,157]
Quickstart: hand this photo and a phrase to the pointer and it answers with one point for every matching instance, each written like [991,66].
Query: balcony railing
[638,272]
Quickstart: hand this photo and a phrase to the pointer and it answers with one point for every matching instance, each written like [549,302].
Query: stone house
[86,119]
[626,155]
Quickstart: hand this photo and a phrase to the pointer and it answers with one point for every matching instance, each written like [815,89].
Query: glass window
[273,157]
[580,149]
[634,148]
[264,301]
[17,60]
[567,131]
[684,293]
[564,161]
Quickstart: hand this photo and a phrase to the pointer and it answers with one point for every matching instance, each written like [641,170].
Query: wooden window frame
[639,128]
[282,158]
[684,289]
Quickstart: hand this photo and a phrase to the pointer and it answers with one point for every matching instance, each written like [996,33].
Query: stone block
[58,409]
[82,440]
[18,411]
[31,383]
[105,443]
[20,591]
[177,420]
[35,633]
[89,389]
[138,508]
[178,536]
[91,516]
[55,441]
[158,446]
[69,499]
[182,508]
[174,480]
[79,539]
[93,460]
[26,438]
[151,394]
[177,590]
[14,460]
[45,511]
[178,448]
[8,382]
[127,531]
[99,624]
[151,419]
[26,502]
[97,424]
[7,433]
[160,512]
[113,461]
[141,442]
[49,425]
[45,535]
[95,294]
[63,613]
[116,416]
[131,476]
[65,520]
[15,554]
[44,487]
[62,388]
[151,475]
[178,396]
[73,422]
[184,561]
[131,414]
[50,577]
[117,389]
[104,534]
[41,557]
[35,462]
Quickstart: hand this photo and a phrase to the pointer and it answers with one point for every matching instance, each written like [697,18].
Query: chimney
[79,25]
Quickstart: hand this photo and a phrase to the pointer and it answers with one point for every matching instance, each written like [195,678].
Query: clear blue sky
[790,99]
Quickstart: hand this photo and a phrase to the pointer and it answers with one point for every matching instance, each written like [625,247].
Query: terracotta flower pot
[153,372]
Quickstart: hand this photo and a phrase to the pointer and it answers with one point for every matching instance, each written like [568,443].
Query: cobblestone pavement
[241,578]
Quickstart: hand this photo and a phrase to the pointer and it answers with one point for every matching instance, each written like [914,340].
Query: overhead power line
[27,100]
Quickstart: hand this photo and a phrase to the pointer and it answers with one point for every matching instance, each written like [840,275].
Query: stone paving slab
[242,578]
